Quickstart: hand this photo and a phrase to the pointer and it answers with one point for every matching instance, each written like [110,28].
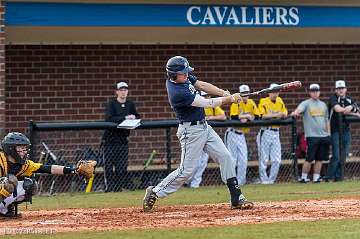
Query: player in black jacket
[339,103]
[115,141]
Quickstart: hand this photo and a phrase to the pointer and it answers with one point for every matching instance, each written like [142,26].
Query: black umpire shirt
[116,112]
[334,116]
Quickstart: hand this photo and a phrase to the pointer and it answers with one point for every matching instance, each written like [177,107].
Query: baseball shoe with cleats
[317,181]
[242,204]
[11,213]
[149,199]
[326,179]
[303,180]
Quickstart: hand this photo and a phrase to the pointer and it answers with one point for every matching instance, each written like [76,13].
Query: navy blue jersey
[181,96]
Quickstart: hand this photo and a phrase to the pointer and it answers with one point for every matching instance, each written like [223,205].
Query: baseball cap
[314,87]
[121,85]
[244,88]
[340,84]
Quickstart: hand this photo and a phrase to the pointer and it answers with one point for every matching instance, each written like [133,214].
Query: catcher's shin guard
[12,211]
[149,199]
[31,188]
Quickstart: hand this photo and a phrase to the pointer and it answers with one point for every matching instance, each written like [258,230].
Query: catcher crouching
[16,171]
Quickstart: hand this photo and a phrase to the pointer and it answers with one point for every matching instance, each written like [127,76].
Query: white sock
[316,176]
[304,176]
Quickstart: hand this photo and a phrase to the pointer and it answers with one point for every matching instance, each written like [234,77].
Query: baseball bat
[43,159]
[53,156]
[138,180]
[282,87]
[49,151]
[90,184]
[150,159]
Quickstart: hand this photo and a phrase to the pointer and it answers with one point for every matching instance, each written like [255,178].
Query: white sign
[251,16]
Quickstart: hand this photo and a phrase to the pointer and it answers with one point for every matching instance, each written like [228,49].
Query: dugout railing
[71,141]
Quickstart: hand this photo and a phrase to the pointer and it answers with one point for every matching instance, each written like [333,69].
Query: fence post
[342,153]
[168,150]
[31,138]
[293,148]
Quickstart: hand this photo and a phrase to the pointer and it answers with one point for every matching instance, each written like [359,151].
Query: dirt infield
[179,216]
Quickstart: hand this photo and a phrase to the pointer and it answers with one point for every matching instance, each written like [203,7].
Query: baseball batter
[210,114]
[234,139]
[194,134]
[268,138]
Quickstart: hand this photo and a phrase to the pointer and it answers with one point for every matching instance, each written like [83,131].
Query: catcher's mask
[177,64]
[9,145]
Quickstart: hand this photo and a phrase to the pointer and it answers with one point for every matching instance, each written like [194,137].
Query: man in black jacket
[115,141]
[339,103]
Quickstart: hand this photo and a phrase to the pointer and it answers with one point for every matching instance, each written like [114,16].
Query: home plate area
[179,216]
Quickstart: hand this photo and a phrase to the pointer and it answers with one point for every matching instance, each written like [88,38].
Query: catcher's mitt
[7,186]
[85,168]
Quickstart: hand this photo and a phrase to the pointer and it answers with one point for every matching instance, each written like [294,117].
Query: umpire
[115,141]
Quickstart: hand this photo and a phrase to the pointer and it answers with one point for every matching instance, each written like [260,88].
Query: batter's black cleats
[149,199]
[242,204]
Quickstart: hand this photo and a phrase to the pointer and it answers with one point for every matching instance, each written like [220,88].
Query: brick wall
[73,82]
[2,68]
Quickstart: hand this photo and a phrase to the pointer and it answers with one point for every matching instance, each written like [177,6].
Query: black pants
[115,164]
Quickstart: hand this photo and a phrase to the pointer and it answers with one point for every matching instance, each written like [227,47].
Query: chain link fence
[148,155]
[351,159]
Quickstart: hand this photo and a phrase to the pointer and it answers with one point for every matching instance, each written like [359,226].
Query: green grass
[334,229]
[218,194]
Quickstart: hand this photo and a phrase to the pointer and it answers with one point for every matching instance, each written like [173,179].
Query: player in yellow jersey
[210,114]
[14,161]
[234,139]
[268,138]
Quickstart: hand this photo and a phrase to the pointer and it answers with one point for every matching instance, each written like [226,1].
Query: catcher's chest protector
[26,169]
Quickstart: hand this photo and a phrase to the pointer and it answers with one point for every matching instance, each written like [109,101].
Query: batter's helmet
[177,64]
[9,143]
